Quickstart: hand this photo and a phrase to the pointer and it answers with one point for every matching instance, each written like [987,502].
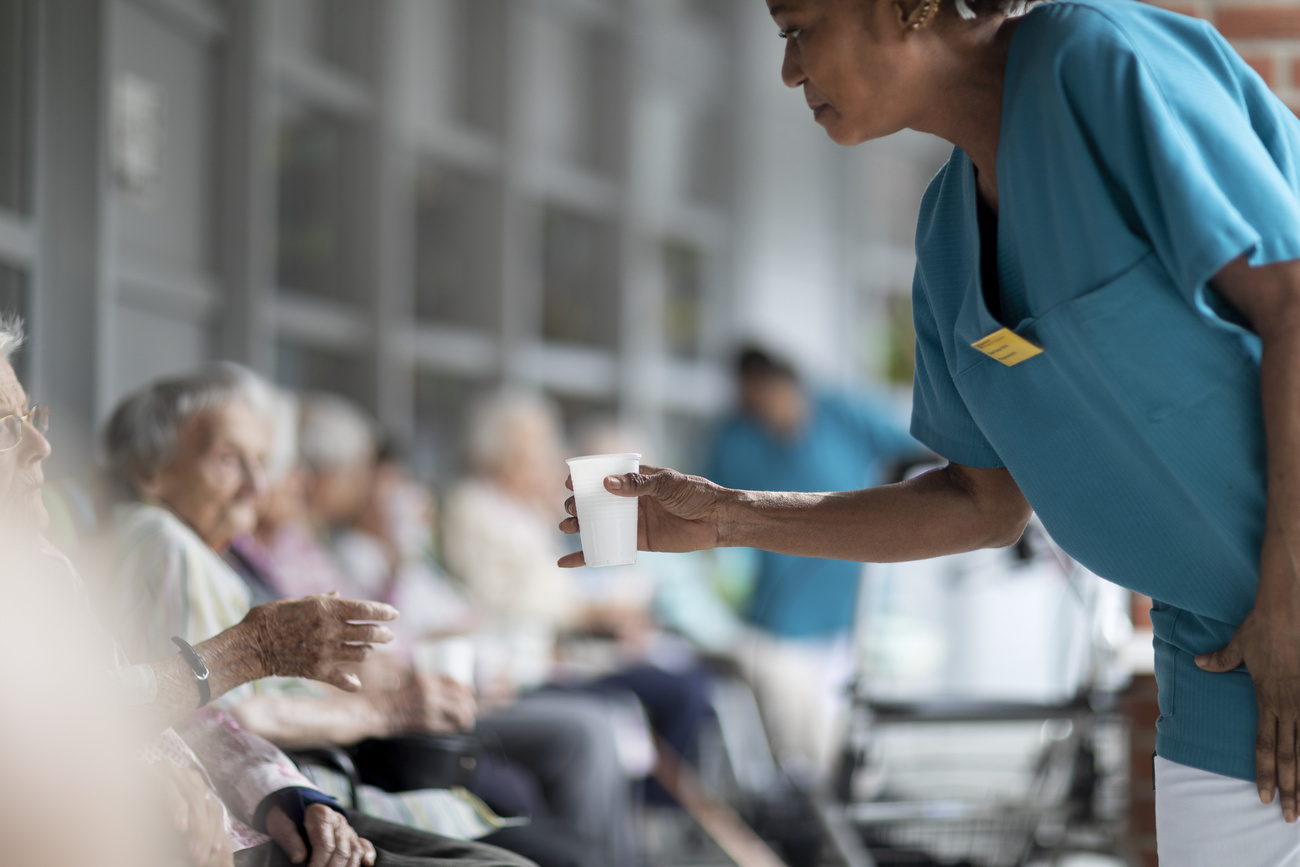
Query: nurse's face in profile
[863,72]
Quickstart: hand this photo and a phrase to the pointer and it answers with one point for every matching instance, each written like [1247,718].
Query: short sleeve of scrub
[1188,137]
[940,418]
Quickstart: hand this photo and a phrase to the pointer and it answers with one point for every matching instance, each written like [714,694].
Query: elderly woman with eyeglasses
[228,792]
[1107,309]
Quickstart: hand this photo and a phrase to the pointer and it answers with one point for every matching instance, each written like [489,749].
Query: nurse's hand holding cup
[675,512]
[609,521]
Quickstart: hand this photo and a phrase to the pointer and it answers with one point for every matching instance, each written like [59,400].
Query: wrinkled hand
[312,636]
[431,704]
[334,843]
[677,512]
[1268,643]
[196,815]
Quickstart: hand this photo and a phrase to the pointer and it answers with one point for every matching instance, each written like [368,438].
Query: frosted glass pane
[455,248]
[580,300]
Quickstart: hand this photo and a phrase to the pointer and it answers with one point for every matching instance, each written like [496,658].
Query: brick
[1139,767]
[1259,22]
[1142,820]
[1140,610]
[1264,65]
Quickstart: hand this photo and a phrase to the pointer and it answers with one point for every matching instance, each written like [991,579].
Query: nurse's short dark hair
[754,362]
[984,8]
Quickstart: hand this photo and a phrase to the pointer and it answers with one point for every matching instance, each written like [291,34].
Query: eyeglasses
[11,426]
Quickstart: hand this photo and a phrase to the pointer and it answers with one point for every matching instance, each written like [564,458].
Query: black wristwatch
[190,655]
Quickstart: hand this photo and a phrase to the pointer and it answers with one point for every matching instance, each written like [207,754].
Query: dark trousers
[399,846]
[548,842]
[677,705]
[567,745]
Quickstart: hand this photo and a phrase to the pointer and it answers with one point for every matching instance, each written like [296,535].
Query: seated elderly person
[565,745]
[501,541]
[334,515]
[187,455]
[231,793]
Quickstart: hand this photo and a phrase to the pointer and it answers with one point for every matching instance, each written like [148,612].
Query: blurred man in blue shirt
[789,438]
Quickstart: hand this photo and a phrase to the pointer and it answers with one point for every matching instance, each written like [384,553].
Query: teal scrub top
[841,447]
[1138,156]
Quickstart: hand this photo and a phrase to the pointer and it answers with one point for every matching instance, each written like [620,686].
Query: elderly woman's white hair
[11,336]
[334,432]
[140,437]
[282,456]
[493,423]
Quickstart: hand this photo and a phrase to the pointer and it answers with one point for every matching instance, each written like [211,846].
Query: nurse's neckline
[983,147]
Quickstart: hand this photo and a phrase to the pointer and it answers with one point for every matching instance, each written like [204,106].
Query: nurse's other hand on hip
[1268,644]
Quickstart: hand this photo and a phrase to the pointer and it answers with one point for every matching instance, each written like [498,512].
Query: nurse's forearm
[1279,374]
[945,511]
[1269,298]
[1280,394]
[1267,643]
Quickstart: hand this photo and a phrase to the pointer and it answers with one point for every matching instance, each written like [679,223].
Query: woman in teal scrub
[1107,307]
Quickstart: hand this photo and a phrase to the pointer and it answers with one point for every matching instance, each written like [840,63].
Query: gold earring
[927,12]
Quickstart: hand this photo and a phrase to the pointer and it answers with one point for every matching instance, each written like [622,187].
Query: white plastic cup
[607,522]
[452,658]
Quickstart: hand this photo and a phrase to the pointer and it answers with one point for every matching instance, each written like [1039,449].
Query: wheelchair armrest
[961,710]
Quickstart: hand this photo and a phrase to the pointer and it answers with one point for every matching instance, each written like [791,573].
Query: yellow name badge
[1006,346]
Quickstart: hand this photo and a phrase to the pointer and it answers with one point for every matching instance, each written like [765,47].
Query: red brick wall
[1139,706]
[1267,34]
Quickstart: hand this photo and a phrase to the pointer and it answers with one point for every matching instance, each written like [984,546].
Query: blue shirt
[840,447]
[1138,156]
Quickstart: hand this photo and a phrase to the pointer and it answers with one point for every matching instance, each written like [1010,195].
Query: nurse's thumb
[1222,660]
[645,483]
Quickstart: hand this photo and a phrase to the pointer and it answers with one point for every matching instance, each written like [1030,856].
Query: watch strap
[191,656]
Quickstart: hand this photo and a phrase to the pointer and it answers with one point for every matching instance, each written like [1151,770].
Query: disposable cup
[607,522]
[449,657]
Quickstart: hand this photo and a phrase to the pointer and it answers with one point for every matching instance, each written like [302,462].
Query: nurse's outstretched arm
[1268,642]
[948,510]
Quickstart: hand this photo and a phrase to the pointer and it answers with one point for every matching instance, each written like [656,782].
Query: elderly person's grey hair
[11,336]
[493,422]
[282,457]
[140,437]
[334,432]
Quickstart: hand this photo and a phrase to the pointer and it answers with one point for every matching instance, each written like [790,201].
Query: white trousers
[800,690]
[1208,820]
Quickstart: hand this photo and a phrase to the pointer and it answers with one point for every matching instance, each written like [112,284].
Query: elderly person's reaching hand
[187,456]
[316,637]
